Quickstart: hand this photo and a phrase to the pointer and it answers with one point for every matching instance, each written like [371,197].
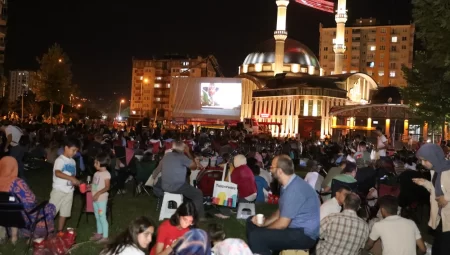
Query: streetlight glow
[145,80]
[60,60]
[122,101]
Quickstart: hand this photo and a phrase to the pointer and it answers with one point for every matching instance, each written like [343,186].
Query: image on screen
[221,95]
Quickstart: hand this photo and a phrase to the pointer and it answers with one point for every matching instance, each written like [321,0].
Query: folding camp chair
[12,213]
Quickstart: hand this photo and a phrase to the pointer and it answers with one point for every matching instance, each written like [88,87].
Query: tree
[30,105]
[428,90]
[54,77]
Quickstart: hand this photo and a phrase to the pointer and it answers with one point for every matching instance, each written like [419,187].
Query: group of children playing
[64,181]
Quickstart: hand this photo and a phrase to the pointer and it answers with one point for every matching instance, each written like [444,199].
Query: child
[216,234]
[64,172]
[100,187]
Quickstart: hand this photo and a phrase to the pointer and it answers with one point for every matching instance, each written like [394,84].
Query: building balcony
[280,35]
[339,48]
[341,17]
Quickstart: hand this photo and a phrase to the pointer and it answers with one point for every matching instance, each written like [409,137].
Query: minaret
[280,35]
[339,42]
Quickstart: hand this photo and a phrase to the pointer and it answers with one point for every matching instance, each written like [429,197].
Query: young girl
[170,231]
[134,240]
[100,187]
[216,234]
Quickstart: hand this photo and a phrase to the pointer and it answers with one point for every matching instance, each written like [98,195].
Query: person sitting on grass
[134,240]
[232,246]
[195,241]
[184,218]
[295,225]
[216,234]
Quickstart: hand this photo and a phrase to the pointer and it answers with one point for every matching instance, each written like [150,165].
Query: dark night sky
[101,36]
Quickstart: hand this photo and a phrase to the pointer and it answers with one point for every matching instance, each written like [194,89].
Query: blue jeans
[18,152]
[265,241]
[100,217]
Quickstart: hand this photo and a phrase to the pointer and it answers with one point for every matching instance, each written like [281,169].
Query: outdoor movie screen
[221,95]
[206,97]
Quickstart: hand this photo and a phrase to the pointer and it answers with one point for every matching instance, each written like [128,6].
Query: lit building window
[373,48]
[158,99]
[168,85]
[392,74]
[158,78]
[394,39]
[381,73]
[157,85]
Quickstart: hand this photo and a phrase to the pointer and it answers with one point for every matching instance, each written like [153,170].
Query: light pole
[23,93]
[120,105]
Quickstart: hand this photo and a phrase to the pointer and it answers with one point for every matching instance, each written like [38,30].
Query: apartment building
[20,82]
[377,50]
[3,21]
[150,82]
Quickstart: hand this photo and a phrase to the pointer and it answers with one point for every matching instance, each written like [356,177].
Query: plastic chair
[88,205]
[169,205]
[294,252]
[245,210]
[144,170]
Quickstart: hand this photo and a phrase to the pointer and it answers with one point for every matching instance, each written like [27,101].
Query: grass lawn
[126,208]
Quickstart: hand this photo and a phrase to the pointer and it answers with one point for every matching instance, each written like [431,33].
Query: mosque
[283,82]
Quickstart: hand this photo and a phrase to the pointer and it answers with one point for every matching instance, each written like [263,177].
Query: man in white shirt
[13,136]
[398,235]
[382,142]
[334,205]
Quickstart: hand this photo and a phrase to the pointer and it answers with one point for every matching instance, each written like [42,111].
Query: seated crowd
[301,222]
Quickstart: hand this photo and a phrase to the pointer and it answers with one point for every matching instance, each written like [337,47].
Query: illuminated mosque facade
[283,82]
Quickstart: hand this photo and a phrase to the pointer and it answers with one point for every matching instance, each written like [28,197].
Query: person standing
[382,142]
[433,157]
[64,180]
[295,225]
[100,188]
[12,146]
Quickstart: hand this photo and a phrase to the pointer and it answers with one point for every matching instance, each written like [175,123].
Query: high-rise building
[20,82]
[378,50]
[150,82]
[3,19]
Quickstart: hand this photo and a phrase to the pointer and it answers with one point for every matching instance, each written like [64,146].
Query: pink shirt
[99,183]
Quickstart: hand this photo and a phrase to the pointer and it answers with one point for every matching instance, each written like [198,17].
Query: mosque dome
[294,53]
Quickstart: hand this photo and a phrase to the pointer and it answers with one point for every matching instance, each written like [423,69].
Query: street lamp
[120,105]
[60,60]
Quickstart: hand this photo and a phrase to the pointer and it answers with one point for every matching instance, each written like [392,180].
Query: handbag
[225,193]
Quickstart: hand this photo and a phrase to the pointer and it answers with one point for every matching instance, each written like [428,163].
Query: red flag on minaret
[322,5]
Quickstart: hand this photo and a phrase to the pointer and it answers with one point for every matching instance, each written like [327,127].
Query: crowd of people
[324,213]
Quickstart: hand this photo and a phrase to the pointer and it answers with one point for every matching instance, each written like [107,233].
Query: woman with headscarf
[433,158]
[9,182]
[193,242]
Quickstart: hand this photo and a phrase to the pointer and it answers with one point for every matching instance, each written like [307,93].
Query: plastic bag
[374,155]
[59,244]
